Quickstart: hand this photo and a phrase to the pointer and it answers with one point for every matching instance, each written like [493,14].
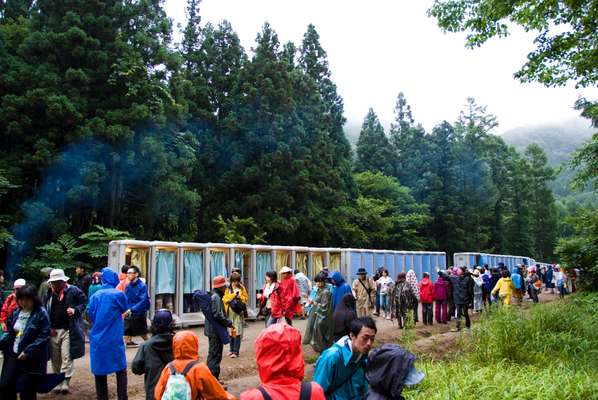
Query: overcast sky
[378,48]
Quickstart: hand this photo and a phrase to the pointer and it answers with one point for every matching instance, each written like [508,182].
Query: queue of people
[339,327]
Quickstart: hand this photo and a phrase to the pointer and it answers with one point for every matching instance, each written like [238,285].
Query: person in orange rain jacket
[122,277]
[185,348]
[279,359]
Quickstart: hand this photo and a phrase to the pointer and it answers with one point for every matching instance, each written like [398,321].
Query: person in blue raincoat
[340,289]
[340,370]
[106,308]
[139,304]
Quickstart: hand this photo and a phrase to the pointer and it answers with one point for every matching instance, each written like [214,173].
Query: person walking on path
[138,304]
[269,287]
[364,290]
[10,303]
[203,384]
[534,284]
[561,281]
[25,346]
[156,353]
[549,278]
[82,279]
[441,293]
[235,305]
[478,303]
[65,305]
[462,285]
[340,289]
[385,285]
[343,316]
[106,345]
[426,293]
[486,286]
[280,364]
[340,370]
[402,300]
[215,343]
[285,298]
[518,285]
[305,287]
[320,323]
[411,279]
[504,288]
[96,284]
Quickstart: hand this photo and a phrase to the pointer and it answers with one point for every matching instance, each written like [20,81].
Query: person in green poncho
[320,324]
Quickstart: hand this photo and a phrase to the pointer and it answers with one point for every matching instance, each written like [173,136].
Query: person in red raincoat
[426,295]
[10,304]
[279,358]
[285,298]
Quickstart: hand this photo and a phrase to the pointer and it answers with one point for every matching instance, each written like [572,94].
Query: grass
[547,352]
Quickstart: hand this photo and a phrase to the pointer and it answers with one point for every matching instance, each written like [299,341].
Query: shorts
[136,325]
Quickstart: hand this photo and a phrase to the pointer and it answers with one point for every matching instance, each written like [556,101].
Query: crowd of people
[109,310]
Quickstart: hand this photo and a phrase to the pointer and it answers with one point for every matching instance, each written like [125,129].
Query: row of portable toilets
[173,271]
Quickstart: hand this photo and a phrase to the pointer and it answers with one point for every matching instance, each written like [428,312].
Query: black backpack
[304,395]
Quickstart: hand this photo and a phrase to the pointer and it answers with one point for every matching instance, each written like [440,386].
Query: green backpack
[177,387]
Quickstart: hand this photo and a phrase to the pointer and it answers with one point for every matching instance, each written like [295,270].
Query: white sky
[378,48]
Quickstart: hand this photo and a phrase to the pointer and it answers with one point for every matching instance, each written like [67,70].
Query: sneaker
[132,344]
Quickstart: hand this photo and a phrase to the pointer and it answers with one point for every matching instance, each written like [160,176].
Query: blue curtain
[165,272]
[239,261]
[193,267]
[263,264]
[217,264]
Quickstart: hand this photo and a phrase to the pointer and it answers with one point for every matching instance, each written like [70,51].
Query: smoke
[76,183]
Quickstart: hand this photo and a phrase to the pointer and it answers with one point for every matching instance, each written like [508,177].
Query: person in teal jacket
[340,370]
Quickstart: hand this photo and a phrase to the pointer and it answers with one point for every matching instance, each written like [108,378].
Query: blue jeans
[384,302]
[235,345]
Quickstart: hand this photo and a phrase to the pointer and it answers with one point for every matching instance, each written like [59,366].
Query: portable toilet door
[356,261]
[442,262]
[418,265]
[426,263]
[379,261]
[408,262]
[389,264]
[192,278]
[163,278]
[368,263]
[433,266]
[399,264]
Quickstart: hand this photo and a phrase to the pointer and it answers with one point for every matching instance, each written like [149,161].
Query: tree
[373,149]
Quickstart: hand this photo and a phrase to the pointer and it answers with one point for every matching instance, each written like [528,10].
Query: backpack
[203,302]
[177,387]
[237,306]
[305,393]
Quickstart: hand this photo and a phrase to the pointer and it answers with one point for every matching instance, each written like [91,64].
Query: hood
[349,300]
[337,277]
[426,281]
[386,361]
[45,272]
[162,342]
[279,354]
[411,277]
[185,346]
[109,277]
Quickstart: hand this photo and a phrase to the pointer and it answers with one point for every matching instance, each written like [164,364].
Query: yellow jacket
[504,287]
[230,294]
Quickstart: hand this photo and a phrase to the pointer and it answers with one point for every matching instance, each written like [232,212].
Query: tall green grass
[547,352]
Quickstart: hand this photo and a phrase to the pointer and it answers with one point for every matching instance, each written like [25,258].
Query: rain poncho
[280,365]
[289,296]
[343,316]
[504,288]
[386,361]
[137,298]
[341,288]
[365,292]
[335,365]
[106,337]
[411,279]
[320,323]
[229,296]
[185,348]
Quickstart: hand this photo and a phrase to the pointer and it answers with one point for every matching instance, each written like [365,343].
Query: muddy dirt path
[241,373]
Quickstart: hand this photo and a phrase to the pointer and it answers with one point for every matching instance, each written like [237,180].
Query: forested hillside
[559,142]
[105,122]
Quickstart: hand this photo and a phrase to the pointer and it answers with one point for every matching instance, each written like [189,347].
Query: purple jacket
[441,289]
